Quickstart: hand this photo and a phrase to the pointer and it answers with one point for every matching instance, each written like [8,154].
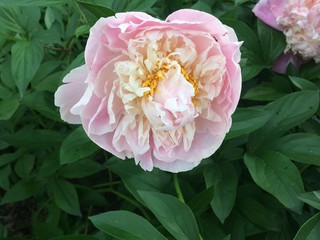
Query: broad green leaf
[65,196]
[20,191]
[301,147]
[26,59]
[224,179]
[8,108]
[24,166]
[5,94]
[303,84]
[134,178]
[310,230]
[42,102]
[126,225]
[80,169]
[249,70]
[35,138]
[75,237]
[311,198]
[272,41]
[210,227]
[201,201]
[265,91]
[311,70]
[133,5]
[202,6]
[246,120]
[257,213]
[277,175]
[10,157]
[289,111]
[76,146]
[92,12]
[45,69]
[174,215]
[7,3]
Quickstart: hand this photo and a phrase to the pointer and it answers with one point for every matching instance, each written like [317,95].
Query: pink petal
[269,10]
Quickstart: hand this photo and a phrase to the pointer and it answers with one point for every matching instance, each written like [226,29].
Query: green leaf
[75,237]
[20,191]
[80,169]
[134,178]
[126,225]
[92,12]
[8,108]
[10,157]
[246,120]
[311,198]
[301,147]
[201,201]
[42,102]
[224,179]
[7,3]
[273,42]
[45,230]
[24,166]
[310,230]
[35,138]
[26,59]
[250,70]
[277,175]
[174,215]
[257,213]
[265,91]
[303,84]
[289,111]
[66,197]
[4,177]
[76,146]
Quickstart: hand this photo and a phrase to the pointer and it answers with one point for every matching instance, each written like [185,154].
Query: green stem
[177,187]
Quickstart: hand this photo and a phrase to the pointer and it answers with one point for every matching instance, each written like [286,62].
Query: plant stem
[177,187]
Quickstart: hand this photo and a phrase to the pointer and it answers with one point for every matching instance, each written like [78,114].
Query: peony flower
[161,92]
[299,20]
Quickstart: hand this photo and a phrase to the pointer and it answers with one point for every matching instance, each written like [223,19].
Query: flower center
[158,74]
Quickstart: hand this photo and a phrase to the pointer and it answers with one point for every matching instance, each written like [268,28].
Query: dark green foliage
[263,182]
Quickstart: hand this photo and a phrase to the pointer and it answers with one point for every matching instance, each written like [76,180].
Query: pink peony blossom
[161,92]
[299,20]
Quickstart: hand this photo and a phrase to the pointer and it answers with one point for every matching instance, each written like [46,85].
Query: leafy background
[263,183]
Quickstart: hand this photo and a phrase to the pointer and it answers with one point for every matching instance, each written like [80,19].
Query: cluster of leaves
[263,183]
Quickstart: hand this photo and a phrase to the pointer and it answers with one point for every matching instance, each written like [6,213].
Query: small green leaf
[257,213]
[134,178]
[303,84]
[265,91]
[174,215]
[126,225]
[76,146]
[301,147]
[20,191]
[289,111]
[273,42]
[201,201]
[7,3]
[75,237]
[80,169]
[311,198]
[26,59]
[4,177]
[310,230]
[223,177]
[92,12]
[277,175]
[8,108]
[24,166]
[35,138]
[246,120]
[66,197]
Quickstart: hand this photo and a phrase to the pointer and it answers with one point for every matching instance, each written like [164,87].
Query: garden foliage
[262,183]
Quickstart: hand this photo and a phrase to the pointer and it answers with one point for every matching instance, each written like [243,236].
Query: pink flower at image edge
[299,20]
[161,92]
